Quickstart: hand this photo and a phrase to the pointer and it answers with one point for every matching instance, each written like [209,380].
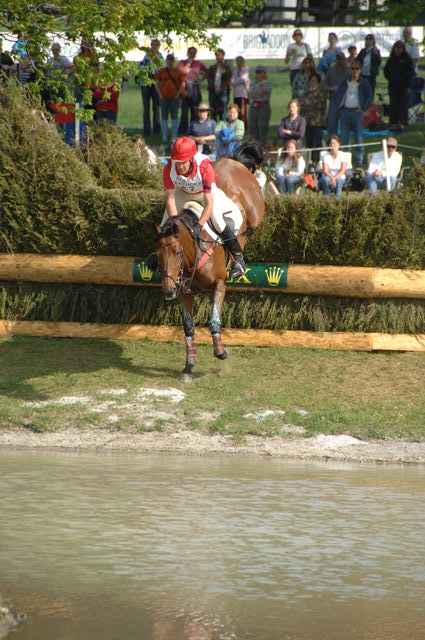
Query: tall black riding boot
[232,243]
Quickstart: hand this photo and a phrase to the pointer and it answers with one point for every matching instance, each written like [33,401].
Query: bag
[371,116]
[356,181]
[310,181]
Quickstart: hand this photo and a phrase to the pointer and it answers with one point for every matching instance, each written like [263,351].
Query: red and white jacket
[200,179]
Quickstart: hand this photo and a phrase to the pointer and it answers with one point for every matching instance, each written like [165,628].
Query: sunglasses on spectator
[391,146]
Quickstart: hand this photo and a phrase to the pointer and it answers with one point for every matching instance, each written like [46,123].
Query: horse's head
[170,259]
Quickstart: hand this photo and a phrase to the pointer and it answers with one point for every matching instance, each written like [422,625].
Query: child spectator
[290,168]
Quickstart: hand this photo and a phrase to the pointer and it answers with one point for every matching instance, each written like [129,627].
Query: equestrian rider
[190,175]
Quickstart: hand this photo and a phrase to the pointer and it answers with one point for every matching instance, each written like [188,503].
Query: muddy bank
[321,447]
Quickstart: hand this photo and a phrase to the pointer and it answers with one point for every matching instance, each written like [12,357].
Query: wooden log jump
[355,282]
[245,337]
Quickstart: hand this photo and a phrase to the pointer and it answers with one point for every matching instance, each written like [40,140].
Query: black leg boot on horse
[232,243]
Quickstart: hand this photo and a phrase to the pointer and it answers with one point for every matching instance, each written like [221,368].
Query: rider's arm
[170,202]
[209,201]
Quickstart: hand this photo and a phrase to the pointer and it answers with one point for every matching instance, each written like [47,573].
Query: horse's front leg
[215,319]
[189,332]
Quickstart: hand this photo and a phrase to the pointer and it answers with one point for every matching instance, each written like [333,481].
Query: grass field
[130,110]
[51,384]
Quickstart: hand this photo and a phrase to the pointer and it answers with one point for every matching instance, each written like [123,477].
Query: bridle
[181,282]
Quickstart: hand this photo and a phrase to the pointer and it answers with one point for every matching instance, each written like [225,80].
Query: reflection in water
[169,548]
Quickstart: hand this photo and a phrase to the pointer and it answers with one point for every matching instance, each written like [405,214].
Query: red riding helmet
[183,149]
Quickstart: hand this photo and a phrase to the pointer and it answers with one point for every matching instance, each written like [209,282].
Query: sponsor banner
[257,276]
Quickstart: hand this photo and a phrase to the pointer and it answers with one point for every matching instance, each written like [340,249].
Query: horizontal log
[355,282]
[244,337]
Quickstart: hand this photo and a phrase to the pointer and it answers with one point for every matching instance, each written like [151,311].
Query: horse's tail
[249,153]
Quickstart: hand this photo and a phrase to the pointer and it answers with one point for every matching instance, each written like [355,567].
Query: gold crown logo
[145,273]
[274,275]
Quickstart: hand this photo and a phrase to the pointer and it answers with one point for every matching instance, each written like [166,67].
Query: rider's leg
[222,204]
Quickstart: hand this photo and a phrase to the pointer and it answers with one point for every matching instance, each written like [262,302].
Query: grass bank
[53,384]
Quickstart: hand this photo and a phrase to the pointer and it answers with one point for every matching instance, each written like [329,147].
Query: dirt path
[328,448]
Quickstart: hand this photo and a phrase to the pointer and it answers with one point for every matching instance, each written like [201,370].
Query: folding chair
[416,111]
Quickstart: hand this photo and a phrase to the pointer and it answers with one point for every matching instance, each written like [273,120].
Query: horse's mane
[249,153]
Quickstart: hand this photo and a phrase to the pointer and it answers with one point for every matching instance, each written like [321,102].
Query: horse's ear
[175,229]
[157,229]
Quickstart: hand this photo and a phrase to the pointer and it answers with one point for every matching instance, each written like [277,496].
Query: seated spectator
[313,108]
[259,106]
[202,128]
[376,175]
[292,127]
[240,82]
[300,84]
[229,132]
[334,168]
[370,59]
[329,55]
[290,168]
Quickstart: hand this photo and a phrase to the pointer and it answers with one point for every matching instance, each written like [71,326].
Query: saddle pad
[233,219]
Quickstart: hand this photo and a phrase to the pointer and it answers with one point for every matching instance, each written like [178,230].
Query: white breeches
[222,205]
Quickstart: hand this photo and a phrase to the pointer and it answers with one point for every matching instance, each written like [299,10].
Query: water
[173,548]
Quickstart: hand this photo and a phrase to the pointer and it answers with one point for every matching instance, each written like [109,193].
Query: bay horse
[187,265]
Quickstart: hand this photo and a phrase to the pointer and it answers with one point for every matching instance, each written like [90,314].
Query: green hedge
[52,201]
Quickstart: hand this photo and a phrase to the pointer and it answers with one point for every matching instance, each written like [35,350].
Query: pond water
[179,548]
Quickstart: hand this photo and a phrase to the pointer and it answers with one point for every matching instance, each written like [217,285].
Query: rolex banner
[257,276]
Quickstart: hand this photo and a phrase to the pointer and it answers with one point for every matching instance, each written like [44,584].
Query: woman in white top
[296,52]
[289,167]
[334,168]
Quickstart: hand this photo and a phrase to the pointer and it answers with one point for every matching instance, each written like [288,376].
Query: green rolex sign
[257,276]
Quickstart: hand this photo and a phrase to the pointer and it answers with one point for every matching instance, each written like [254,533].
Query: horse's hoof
[222,355]
[186,378]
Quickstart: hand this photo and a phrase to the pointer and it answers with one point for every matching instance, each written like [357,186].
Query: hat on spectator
[203,106]
[392,142]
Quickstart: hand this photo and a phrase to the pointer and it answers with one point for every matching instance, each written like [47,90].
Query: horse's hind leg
[215,320]
[189,332]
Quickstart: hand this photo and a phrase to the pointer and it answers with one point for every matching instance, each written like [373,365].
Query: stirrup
[238,268]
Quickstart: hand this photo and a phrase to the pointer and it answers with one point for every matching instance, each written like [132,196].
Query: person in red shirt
[190,175]
[106,103]
[170,82]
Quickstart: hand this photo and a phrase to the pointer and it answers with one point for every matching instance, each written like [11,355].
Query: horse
[188,265]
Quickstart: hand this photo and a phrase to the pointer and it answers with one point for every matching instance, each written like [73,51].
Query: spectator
[25,69]
[333,169]
[370,59]
[229,132]
[313,108]
[292,127]
[411,45]
[202,128]
[106,103]
[334,76]
[399,71]
[218,77]
[259,106]
[295,54]
[376,175]
[152,62]
[240,82]
[170,83]
[194,72]
[58,70]
[86,57]
[6,60]
[290,168]
[301,81]
[328,58]
[352,98]
[352,54]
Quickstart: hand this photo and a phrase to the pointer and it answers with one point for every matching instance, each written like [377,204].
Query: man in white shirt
[411,45]
[376,175]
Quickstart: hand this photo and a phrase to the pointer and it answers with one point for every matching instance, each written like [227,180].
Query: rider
[190,175]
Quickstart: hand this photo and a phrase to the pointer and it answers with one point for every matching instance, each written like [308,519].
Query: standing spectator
[376,175]
[352,54]
[296,52]
[334,168]
[58,70]
[399,71]
[370,59]
[259,106]
[240,82]
[411,45]
[292,127]
[328,58]
[202,128]
[290,168]
[218,77]
[25,69]
[353,97]
[313,108]
[229,132]
[334,76]
[194,72]
[6,60]
[152,62]
[301,80]
[106,103]
[170,83]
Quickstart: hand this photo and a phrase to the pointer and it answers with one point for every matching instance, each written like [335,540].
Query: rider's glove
[197,228]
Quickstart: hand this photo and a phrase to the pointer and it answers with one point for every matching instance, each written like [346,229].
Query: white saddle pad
[233,218]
